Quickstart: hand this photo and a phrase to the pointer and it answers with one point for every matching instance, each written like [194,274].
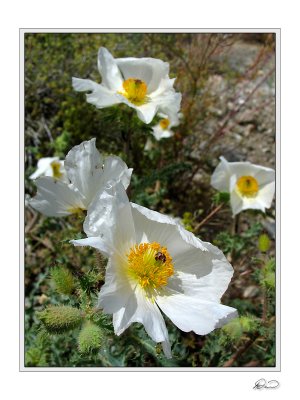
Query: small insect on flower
[160,257]
[141,83]
[155,266]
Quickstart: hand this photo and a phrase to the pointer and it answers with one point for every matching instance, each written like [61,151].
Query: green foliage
[35,357]
[237,243]
[90,338]
[63,280]
[221,197]
[60,319]
[268,278]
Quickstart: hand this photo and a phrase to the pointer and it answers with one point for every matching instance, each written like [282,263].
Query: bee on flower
[141,83]
[86,172]
[250,186]
[155,266]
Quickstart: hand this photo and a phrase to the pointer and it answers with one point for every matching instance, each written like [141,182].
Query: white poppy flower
[249,185]
[163,128]
[155,265]
[50,166]
[87,173]
[141,83]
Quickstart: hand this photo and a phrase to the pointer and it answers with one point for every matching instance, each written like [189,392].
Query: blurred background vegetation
[228,86]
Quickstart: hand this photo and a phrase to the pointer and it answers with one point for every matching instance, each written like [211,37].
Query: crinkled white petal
[191,314]
[149,70]
[116,169]
[84,166]
[109,217]
[109,70]
[100,95]
[190,280]
[140,309]
[96,243]
[167,102]
[55,198]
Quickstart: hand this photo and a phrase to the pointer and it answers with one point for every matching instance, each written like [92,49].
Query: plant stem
[208,217]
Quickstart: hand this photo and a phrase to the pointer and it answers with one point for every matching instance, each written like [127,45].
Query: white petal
[160,133]
[100,95]
[55,198]
[149,70]
[220,178]
[190,314]
[116,169]
[236,202]
[84,169]
[264,176]
[95,242]
[147,112]
[140,309]
[266,194]
[108,68]
[167,102]
[191,280]
[116,291]
[109,217]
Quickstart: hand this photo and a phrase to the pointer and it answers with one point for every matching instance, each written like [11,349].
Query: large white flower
[87,172]
[50,166]
[155,265]
[141,83]
[249,185]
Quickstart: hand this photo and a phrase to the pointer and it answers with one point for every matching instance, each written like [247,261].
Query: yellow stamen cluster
[76,210]
[247,186]
[164,123]
[150,265]
[135,91]
[55,165]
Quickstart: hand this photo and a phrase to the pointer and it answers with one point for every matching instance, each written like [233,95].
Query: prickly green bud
[90,338]
[63,280]
[60,319]
[234,329]
[264,243]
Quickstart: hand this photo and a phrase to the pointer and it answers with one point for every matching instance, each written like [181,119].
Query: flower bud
[63,280]
[90,338]
[60,319]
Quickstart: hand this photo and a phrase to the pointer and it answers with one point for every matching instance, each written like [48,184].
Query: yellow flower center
[55,165]
[247,186]
[76,210]
[150,265]
[135,91]
[164,123]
